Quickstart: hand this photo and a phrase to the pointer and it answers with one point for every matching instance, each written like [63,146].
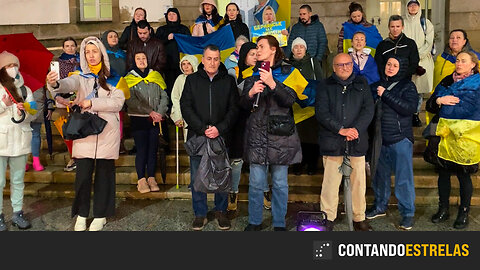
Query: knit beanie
[299,41]
[7,58]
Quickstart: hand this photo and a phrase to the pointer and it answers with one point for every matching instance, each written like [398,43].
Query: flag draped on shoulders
[152,77]
[459,125]
[372,35]
[223,38]
[115,81]
[305,89]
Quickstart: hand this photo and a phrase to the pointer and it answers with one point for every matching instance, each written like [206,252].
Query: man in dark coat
[397,44]
[148,44]
[165,34]
[310,29]
[209,106]
[344,108]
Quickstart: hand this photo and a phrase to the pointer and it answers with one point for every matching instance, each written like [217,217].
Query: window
[95,10]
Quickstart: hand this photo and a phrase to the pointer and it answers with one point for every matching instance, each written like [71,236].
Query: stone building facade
[450,14]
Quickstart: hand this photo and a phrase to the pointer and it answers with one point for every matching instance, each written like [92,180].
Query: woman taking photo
[15,138]
[94,153]
[455,103]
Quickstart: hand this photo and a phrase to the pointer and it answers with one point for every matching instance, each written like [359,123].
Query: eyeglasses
[344,65]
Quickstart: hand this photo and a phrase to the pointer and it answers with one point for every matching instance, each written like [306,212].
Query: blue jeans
[236,173]
[395,158]
[36,140]
[145,136]
[199,199]
[258,180]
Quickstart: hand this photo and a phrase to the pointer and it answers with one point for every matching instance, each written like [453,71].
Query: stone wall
[332,13]
[466,15]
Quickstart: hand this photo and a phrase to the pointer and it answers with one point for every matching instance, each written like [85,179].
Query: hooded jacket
[402,47]
[210,103]
[15,139]
[262,147]
[314,35]
[343,104]
[204,25]
[177,90]
[116,56]
[398,104]
[171,47]
[109,102]
[424,40]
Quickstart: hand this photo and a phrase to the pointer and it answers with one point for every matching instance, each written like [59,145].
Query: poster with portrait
[274,29]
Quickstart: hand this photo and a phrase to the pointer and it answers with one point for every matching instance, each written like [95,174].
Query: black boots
[462,218]
[441,215]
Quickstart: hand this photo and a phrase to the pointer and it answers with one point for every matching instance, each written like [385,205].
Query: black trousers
[444,187]
[103,187]
[145,136]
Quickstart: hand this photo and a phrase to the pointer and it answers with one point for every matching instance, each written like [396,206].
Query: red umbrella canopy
[33,56]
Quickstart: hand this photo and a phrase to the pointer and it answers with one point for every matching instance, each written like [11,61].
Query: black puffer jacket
[260,146]
[343,104]
[398,105]
[206,102]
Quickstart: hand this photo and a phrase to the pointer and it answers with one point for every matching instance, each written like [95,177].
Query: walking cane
[346,170]
[176,135]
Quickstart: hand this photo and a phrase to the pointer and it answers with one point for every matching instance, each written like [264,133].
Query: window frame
[98,10]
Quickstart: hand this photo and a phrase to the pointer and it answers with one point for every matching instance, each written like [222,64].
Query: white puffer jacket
[15,139]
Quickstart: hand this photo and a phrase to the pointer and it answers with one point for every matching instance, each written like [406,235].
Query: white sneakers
[81,224]
[96,225]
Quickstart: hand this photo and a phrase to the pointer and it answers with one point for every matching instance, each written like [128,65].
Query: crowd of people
[272,109]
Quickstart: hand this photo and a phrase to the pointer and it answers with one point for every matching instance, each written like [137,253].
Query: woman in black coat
[166,33]
[233,17]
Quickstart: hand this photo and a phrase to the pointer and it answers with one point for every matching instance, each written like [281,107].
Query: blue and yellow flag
[305,90]
[459,125]
[115,81]
[223,38]
[152,77]
[372,35]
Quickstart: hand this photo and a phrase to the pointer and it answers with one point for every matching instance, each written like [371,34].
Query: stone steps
[424,196]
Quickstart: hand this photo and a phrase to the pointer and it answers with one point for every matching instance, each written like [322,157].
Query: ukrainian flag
[303,108]
[223,38]
[115,81]
[459,125]
[372,35]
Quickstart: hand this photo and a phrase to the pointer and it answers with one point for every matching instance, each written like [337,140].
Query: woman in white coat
[15,138]
[422,32]
[188,65]
[95,152]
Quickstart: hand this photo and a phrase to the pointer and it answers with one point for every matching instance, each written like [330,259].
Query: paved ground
[49,214]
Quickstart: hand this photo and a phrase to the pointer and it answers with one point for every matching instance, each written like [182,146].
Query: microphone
[255,104]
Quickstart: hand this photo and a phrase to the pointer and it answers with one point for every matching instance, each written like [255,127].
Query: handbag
[80,125]
[281,125]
